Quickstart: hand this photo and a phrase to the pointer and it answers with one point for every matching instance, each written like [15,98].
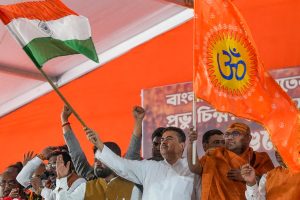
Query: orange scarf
[216,185]
[282,184]
[72,178]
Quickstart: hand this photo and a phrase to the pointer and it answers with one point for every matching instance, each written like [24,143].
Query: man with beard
[220,168]
[103,182]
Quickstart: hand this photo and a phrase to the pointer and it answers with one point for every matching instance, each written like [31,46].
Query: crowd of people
[229,170]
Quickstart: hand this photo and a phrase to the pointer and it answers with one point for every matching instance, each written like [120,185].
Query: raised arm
[134,149]
[26,173]
[197,168]
[81,164]
[131,170]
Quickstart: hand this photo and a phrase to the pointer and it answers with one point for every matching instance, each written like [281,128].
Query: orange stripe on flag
[229,74]
[42,10]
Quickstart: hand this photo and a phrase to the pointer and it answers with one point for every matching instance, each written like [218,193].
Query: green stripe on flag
[40,50]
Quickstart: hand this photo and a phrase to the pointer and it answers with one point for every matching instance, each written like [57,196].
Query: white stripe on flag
[67,28]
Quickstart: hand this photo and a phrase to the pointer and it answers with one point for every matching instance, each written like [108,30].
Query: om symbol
[232,66]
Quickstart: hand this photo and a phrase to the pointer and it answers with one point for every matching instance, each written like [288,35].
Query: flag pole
[62,97]
[194,145]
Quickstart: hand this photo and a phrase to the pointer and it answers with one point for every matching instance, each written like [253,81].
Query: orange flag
[229,74]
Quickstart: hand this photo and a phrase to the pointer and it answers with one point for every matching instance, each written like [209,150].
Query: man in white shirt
[25,175]
[108,188]
[279,183]
[169,179]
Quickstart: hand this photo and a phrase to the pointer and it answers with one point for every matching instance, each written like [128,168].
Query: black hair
[157,132]
[63,148]
[180,133]
[206,136]
[112,146]
[18,166]
[66,157]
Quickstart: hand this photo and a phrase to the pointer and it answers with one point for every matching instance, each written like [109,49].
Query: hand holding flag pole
[194,146]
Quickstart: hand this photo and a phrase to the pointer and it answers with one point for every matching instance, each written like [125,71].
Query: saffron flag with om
[47,29]
[229,74]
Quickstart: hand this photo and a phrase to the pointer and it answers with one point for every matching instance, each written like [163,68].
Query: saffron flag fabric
[229,74]
[47,29]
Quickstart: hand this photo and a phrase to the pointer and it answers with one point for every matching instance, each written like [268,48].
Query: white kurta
[161,181]
[257,192]
[26,173]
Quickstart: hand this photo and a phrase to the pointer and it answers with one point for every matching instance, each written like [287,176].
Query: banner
[171,105]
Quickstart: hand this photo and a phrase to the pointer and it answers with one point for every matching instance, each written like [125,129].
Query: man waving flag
[47,29]
[229,74]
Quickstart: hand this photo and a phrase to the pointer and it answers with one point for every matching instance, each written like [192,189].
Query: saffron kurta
[216,184]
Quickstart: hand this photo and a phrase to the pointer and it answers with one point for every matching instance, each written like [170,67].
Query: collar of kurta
[179,161]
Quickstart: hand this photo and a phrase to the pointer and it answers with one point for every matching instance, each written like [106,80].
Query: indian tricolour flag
[47,29]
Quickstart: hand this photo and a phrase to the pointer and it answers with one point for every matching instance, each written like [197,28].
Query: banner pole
[63,98]
[194,145]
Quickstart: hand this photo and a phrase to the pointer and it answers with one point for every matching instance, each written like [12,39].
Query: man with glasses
[25,176]
[51,154]
[220,169]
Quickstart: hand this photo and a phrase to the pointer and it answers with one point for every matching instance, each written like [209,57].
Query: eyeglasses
[232,135]
[51,166]
[10,183]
